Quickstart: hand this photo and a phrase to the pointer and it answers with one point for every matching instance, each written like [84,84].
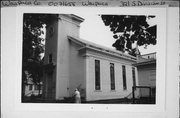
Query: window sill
[97,91]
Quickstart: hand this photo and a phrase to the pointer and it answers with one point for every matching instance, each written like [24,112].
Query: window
[50,58]
[134,76]
[124,77]
[97,75]
[112,76]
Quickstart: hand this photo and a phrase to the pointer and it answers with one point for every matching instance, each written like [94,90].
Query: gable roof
[144,61]
[102,49]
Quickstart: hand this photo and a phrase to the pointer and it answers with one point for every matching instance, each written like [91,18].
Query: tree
[130,30]
[33,46]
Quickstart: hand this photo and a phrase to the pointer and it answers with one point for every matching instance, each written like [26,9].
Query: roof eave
[107,53]
[145,63]
[100,49]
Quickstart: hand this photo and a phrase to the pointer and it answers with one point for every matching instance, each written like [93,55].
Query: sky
[94,30]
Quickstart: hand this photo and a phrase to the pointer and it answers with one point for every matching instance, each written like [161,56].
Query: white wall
[147,77]
[66,26]
[105,92]
[77,70]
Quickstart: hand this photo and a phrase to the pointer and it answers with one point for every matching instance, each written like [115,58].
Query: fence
[144,95]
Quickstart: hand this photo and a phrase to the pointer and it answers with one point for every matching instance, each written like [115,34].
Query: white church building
[70,62]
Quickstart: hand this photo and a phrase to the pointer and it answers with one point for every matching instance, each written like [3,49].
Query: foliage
[33,45]
[130,30]
[32,30]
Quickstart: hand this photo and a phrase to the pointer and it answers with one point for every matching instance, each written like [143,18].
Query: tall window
[112,76]
[134,76]
[124,77]
[97,75]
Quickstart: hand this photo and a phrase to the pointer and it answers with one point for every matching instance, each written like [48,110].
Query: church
[71,62]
